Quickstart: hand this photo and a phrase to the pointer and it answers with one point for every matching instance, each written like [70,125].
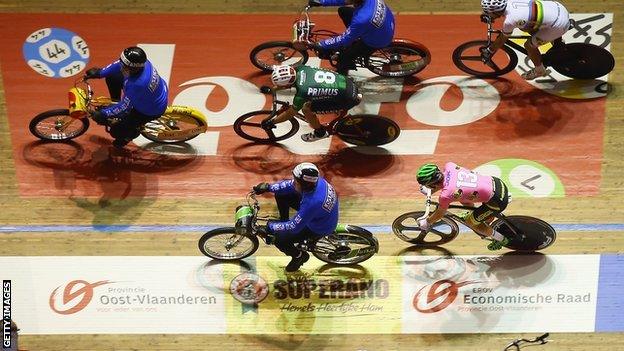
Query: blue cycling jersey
[146,92]
[318,210]
[372,22]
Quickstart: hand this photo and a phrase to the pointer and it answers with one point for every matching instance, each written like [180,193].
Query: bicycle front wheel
[467,58]
[348,245]
[406,228]
[269,54]
[57,125]
[249,126]
[399,59]
[535,234]
[367,130]
[225,244]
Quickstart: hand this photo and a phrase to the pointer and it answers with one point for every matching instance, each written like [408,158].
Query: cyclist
[546,21]
[316,203]
[370,26]
[144,95]
[317,90]
[460,184]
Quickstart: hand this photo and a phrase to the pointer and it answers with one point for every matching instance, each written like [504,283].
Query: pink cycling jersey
[465,186]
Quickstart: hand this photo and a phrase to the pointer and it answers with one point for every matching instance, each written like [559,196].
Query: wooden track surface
[604,208]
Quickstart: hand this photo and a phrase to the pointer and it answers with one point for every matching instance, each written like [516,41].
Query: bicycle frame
[274,108]
[488,21]
[429,202]
[253,202]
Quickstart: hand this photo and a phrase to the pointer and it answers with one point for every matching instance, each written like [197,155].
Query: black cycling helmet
[133,57]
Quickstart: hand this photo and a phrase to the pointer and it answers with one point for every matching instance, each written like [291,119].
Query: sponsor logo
[380,14]
[437,296]
[302,295]
[322,92]
[330,199]
[76,290]
[443,293]
[249,288]
[78,294]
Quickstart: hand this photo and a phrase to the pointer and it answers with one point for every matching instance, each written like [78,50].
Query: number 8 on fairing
[324,77]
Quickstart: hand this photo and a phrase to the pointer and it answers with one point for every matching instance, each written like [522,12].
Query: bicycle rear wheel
[467,58]
[536,234]
[173,127]
[405,227]
[249,126]
[348,245]
[581,60]
[266,55]
[225,244]
[399,59]
[57,125]
[368,130]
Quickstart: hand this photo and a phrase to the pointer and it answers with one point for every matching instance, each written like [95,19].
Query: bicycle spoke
[420,236]
[493,65]
[409,228]
[251,124]
[470,58]
[437,232]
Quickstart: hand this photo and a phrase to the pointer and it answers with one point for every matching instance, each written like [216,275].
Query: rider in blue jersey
[144,95]
[317,206]
[370,26]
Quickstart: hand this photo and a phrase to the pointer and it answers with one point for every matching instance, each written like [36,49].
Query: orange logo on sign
[70,293]
[449,290]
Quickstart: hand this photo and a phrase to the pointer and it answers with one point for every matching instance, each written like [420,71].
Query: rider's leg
[346,15]
[543,36]
[286,244]
[484,214]
[114,83]
[532,48]
[348,55]
[320,131]
[285,203]
[128,127]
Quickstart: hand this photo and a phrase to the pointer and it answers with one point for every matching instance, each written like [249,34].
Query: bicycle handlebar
[485,18]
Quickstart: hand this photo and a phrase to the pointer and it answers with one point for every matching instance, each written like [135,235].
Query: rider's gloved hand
[267,124]
[424,190]
[313,3]
[93,73]
[485,18]
[261,188]
[99,118]
[423,224]
[264,232]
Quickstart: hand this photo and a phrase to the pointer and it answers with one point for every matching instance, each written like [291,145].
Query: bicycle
[358,129]
[573,60]
[526,234]
[402,58]
[178,123]
[348,244]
